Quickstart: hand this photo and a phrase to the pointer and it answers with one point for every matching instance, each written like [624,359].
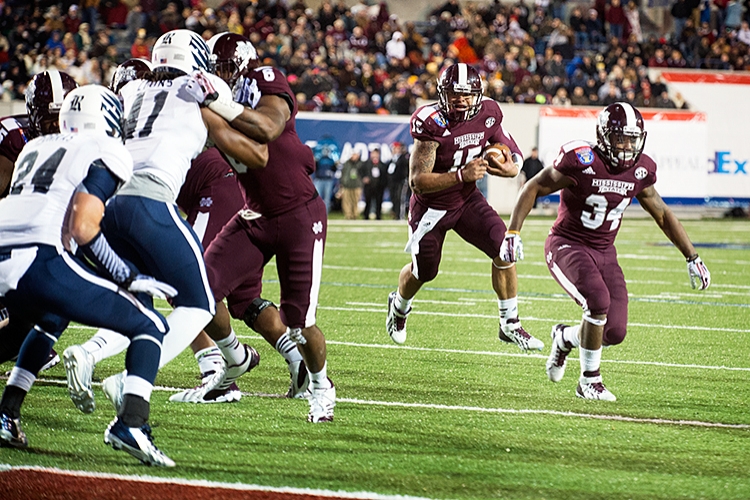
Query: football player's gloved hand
[246,92]
[700,278]
[4,317]
[152,286]
[512,248]
[201,88]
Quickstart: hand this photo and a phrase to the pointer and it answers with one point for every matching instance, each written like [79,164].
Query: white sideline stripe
[619,418]
[202,483]
[532,318]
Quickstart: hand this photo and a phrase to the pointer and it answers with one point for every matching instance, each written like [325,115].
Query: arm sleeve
[100,181]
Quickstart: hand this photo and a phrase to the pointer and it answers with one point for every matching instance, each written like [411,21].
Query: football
[500,152]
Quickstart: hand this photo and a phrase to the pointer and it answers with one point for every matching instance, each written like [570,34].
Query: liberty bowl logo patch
[437,117]
[585,155]
[641,173]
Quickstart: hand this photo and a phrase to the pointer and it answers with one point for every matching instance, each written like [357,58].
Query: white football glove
[700,278]
[4,317]
[512,248]
[200,87]
[151,286]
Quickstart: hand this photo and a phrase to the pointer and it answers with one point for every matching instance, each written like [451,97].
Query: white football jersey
[164,129]
[47,173]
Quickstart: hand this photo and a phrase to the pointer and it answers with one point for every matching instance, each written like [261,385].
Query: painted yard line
[502,354]
[530,355]
[532,318]
[619,418]
[208,484]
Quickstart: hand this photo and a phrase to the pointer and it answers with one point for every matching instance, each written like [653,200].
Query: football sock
[570,335]
[13,397]
[135,410]
[590,361]
[401,303]
[208,359]
[320,380]
[185,323]
[508,310]
[288,349]
[232,349]
[105,344]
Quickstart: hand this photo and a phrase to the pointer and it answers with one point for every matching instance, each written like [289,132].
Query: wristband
[692,258]
[226,108]
[512,232]
[459,175]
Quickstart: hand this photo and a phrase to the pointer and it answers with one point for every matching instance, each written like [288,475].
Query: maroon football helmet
[621,135]
[130,70]
[232,56]
[44,97]
[460,92]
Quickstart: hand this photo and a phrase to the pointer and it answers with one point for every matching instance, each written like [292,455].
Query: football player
[446,162]
[44,97]
[59,188]
[166,128]
[597,183]
[288,220]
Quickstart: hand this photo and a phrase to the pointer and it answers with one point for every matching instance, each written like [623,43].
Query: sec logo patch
[489,122]
[640,173]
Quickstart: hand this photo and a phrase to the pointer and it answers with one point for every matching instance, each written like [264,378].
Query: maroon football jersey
[13,138]
[459,143]
[591,209]
[285,181]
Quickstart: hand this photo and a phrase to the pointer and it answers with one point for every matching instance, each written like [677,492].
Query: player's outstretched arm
[652,202]
[234,143]
[545,182]
[267,121]
[6,172]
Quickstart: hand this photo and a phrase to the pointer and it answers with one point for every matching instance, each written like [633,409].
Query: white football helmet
[181,50]
[92,109]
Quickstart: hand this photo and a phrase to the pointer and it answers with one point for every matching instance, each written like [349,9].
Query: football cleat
[52,360]
[513,333]
[299,387]
[233,372]
[592,388]
[207,392]
[560,350]
[79,368]
[11,433]
[113,388]
[395,322]
[322,402]
[137,441]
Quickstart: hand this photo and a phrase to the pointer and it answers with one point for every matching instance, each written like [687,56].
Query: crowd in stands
[363,59]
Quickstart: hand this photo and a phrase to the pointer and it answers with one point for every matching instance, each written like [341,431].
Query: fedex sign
[725,164]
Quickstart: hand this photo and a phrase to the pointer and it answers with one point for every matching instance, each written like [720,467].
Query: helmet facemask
[460,92]
[621,137]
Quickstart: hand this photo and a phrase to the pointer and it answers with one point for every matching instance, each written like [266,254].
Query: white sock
[208,359]
[320,380]
[590,360]
[232,349]
[288,349]
[508,309]
[570,335]
[185,323]
[401,303]
[105,344]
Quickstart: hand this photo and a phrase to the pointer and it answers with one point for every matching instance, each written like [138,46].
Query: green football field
[454,412]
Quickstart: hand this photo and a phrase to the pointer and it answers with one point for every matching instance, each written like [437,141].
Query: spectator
[140,48]
[71,20]
[743,34]
[663,101]
[658,60]
[326,153]
[351,185]
[54,42]
[595,29]
[634,22]
[398,175]
[680,11]
[532,166]
[615,17]
[396,48]
[374,182]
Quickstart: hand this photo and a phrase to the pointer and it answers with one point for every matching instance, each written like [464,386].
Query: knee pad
[253,311]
